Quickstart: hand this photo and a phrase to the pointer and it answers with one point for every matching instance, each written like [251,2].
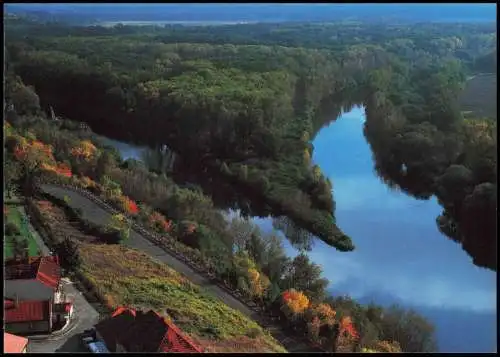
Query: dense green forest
[241,104]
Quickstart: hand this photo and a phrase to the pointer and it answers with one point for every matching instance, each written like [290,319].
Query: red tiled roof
[121,310]
[13,343]
[143,332]
[49,272]
[27,311]
[44,269]
[176,341]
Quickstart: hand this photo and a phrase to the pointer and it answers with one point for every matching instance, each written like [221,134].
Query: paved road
[97,215]
[85,316]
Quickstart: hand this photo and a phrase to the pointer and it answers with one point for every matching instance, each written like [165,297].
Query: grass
[129,277]
[479,97]
[16,217]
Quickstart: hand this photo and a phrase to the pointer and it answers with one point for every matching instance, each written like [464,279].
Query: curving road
[95,214]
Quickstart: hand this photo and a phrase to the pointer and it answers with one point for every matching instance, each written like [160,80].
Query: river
[400,255]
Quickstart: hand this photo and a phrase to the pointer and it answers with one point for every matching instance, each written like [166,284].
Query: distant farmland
[480,96]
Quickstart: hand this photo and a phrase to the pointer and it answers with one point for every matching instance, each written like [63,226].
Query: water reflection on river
[400,255]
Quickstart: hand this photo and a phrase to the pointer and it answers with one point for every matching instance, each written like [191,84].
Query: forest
[239,105]
[250,261]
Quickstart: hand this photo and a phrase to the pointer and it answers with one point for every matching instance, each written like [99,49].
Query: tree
[456,183]
[300,238]
[118,222]
[258,283]
[30,174]
[256,248]
[68,254]
[304,275]
[413,332]
[12,174]
[242,230]
[479,225]
[23,98]
[325,313]
[105,163]
[276,259]
[17,247]
[294,302]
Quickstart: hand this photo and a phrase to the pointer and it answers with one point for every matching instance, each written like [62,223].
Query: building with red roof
[14,344]
[130,330]
[32,290]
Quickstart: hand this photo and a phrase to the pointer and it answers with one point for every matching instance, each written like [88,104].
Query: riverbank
[398,242]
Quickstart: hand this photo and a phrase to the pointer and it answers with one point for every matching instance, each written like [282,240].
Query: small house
[128,330]
[33,295]
[14,344]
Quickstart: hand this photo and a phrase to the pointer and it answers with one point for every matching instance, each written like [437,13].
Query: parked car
[87,337]
[98,347]
[85,340]
[90,342]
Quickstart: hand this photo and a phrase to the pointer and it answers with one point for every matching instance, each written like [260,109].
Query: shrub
[254,332]
[212,331]
[96,189]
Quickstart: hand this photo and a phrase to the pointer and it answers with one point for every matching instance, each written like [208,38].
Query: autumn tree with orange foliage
[325,314]
[294,302]
[84,150]
[258,283]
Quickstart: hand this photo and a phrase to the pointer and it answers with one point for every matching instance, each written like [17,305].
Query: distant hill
[267,12]
[478,327]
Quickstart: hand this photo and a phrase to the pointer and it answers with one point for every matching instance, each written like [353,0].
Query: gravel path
[92,212]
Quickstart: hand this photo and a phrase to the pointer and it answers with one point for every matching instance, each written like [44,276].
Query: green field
[479,97]
[15,216]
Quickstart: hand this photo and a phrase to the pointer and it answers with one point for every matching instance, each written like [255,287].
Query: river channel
[400,257]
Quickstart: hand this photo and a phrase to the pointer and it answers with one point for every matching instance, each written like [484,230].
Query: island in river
[393,231]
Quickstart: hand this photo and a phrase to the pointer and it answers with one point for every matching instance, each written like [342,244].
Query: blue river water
[400,257]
